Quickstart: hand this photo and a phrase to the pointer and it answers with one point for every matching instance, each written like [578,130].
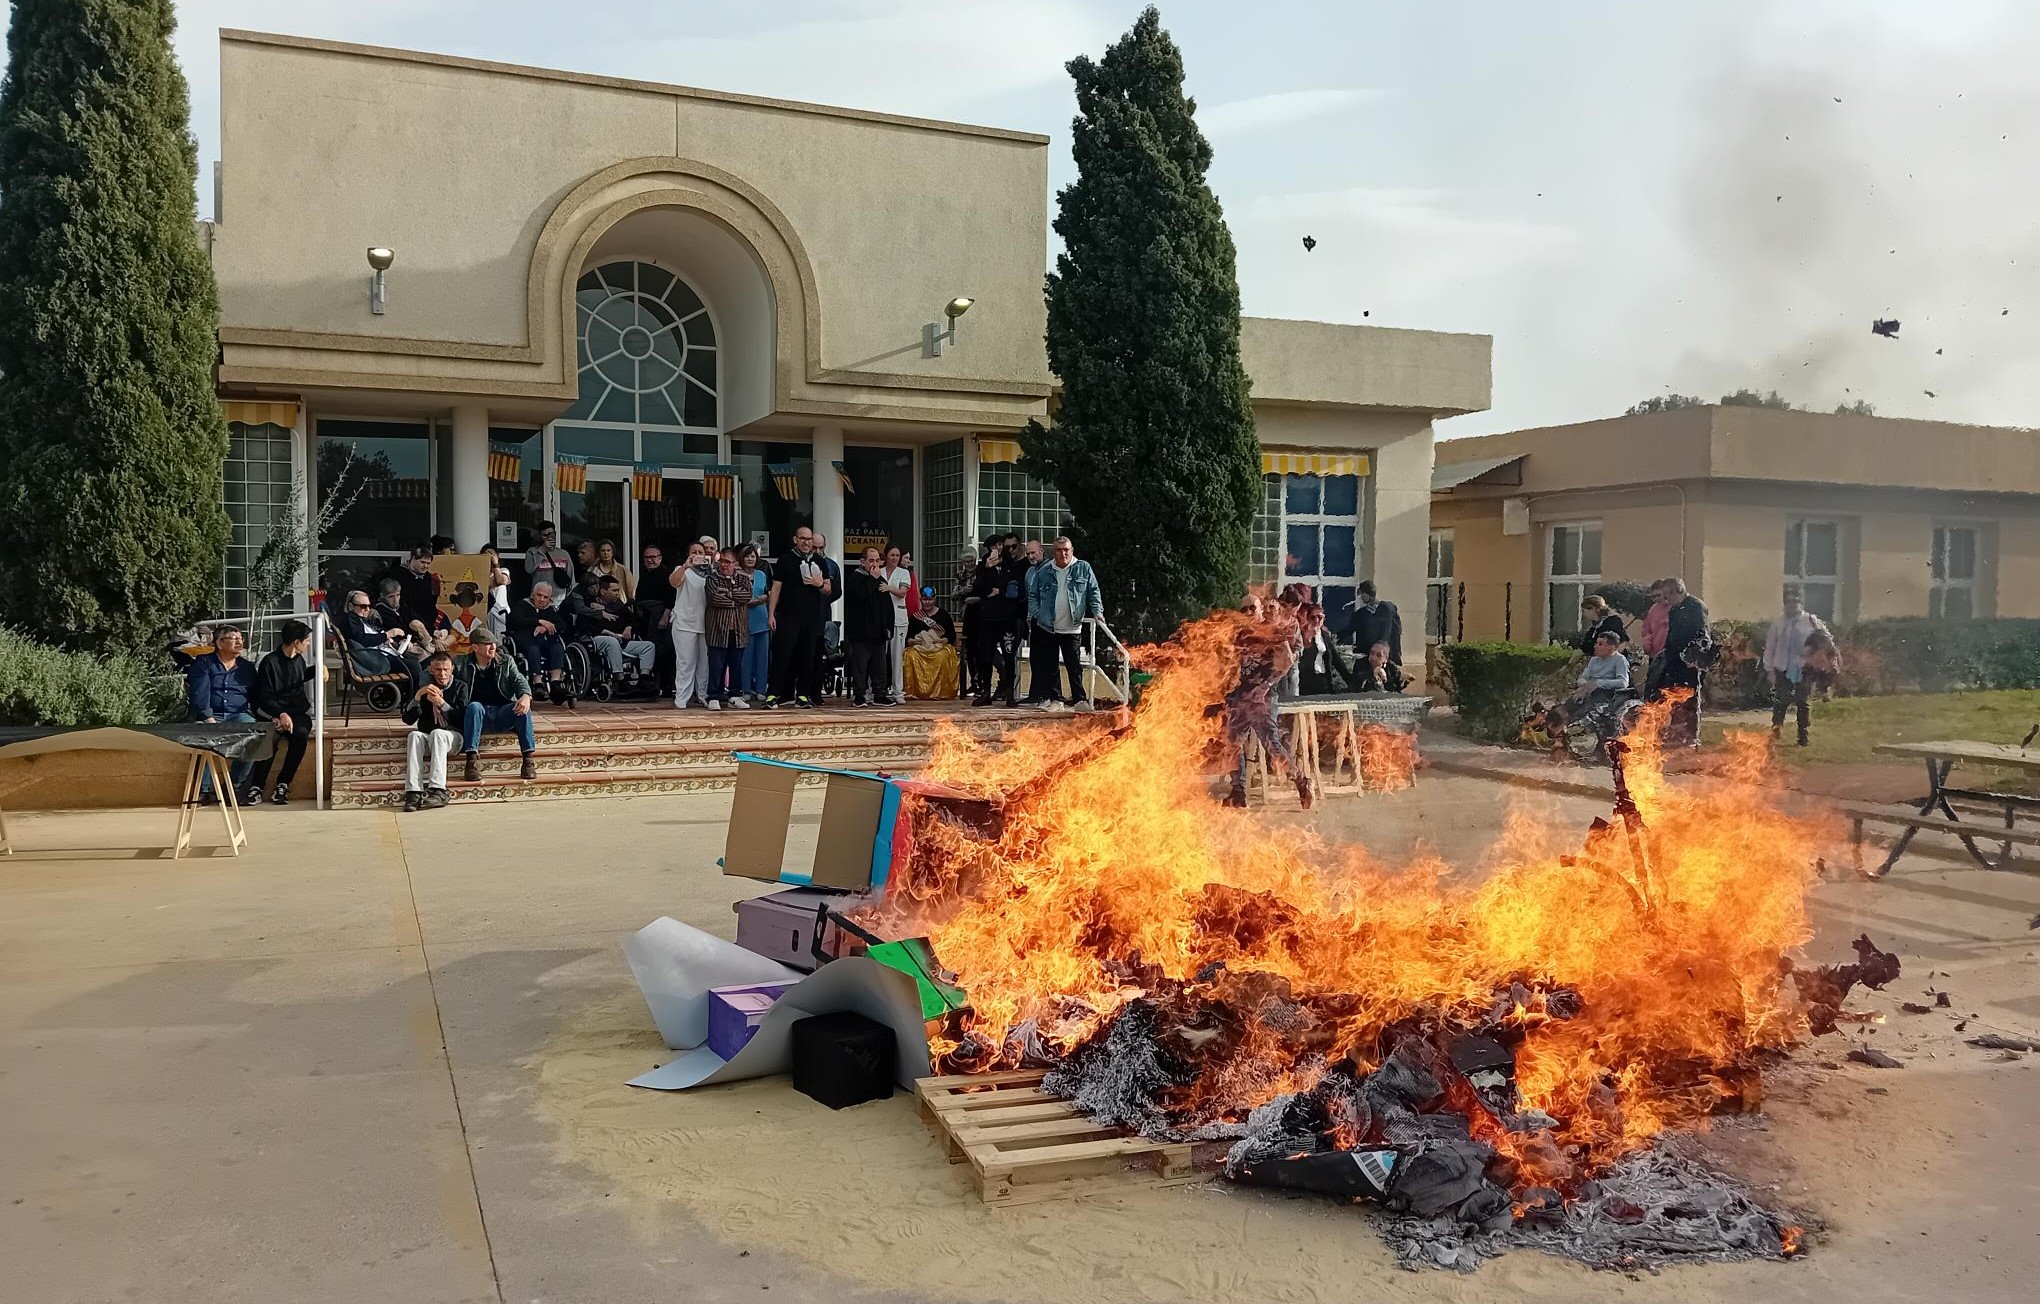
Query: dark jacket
[1611,623]
[941,620]
[867,608]
[1392,676]
[510,683]
[420,601]
[283,687]
[216,692]
[1687,624]
[579,618]
[424,717]
[1337,676]
[363,631]
[1381,625]
[524,618]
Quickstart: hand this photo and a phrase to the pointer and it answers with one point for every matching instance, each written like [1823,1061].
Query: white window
[1575,572]
[1438,587]
[1953,596]
[1308,529]
[1813,561]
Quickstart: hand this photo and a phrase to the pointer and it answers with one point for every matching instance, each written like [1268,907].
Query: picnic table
[1943,806]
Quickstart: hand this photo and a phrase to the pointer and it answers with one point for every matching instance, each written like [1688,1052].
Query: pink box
[734,1014]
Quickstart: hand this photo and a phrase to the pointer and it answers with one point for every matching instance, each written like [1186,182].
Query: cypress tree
[1153,444]
[111,440]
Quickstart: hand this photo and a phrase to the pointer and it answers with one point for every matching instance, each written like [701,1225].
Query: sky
[1631,196]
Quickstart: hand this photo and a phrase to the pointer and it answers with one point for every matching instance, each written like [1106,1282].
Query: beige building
[651,312]
[1871,516]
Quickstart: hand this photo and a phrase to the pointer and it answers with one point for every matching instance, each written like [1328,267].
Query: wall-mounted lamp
[379,260]
[933,336]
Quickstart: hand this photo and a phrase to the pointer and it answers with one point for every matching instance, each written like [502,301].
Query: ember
[1192,973]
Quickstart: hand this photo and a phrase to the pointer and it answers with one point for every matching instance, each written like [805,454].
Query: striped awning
[1314,463]
[991,452]
[261,414]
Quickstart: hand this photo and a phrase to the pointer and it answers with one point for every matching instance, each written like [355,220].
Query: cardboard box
[782,926]
[734,1013]
[854,850]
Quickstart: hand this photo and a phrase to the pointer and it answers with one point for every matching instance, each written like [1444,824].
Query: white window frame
[1940,582]
[1583,580]
[1357,520]
[1439,562]
[1807,580]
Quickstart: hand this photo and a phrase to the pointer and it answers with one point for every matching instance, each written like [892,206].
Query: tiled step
[551,783]
[744,730]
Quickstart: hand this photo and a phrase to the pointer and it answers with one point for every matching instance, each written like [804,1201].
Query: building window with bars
[1813,561]
[1953,567]
[259,476]
[1010,502]
[1438,587]
[1575,572]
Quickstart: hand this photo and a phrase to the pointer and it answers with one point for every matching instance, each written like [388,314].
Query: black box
[843,1059]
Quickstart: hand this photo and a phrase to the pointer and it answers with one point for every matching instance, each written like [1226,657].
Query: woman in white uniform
[899,581]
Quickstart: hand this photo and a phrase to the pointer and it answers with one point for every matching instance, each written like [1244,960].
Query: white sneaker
[714,705]
[740,704]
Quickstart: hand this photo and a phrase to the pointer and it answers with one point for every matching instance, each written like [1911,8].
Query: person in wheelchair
[605,620]
[1603,684]
[537,626]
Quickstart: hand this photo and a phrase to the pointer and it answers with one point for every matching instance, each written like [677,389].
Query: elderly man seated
[611,632]
[219,686]
[373,647]
[539,628]
[434,713]
[498,701]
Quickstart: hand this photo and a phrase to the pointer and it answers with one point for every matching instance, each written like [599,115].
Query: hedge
[44,685]
[1908,654]
[1495,684]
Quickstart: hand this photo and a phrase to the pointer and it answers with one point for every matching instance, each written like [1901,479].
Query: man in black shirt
[794,606]
[1375,621]
[654,604]
[998,588]
[1687,641]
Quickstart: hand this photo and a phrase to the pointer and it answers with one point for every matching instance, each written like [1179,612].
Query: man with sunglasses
[373,647]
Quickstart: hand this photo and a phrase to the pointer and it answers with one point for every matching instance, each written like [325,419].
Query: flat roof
[391,53]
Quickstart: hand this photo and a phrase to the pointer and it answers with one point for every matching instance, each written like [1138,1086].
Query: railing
[321,627]
[1123,680]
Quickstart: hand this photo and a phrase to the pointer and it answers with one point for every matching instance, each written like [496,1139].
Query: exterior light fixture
[379,260]
[933,336]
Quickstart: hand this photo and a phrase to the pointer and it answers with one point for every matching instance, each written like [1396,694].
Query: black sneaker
[769,704]
[280,795]
[208,798]
[434,799]
[984,700]
[251,795]
[412,799]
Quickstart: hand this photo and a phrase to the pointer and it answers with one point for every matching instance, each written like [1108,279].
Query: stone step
[743,730]
[499,757]
[380,793]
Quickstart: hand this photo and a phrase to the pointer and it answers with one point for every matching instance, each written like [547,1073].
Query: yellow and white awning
[1313,463]
[992,452]
[261,413]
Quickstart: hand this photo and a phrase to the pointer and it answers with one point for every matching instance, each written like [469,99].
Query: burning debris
[1500,1062]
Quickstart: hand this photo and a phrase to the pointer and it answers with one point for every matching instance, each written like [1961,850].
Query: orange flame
[1387,759]
[1110,847]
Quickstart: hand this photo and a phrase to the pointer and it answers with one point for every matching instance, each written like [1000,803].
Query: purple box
[782,925]
[734,1013]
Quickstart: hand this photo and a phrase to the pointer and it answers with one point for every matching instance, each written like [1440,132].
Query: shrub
[1494,684]
[1916,653]
[1736,681]
[43,685]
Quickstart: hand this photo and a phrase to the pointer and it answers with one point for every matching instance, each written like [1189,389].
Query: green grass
[1845,730]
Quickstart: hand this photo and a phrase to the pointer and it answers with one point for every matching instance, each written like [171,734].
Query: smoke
[1854,164]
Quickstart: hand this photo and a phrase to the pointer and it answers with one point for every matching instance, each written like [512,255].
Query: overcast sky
[1631,196]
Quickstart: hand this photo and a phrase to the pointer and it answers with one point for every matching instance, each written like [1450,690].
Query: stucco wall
[1819,448]
[1367,366]
[1622,450]
[1400,490]
[328,149]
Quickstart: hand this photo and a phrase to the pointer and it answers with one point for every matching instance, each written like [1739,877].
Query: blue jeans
[754,676]
[238,772]
[501,718]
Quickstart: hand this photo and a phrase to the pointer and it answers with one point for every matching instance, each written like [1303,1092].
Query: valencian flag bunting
[648,482]
[843,478]
[504,462]
[570,474]
[784,480]
[719,483]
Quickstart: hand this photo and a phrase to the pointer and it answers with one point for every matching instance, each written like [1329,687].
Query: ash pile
[1453,1166]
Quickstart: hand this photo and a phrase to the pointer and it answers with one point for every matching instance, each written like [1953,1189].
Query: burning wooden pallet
[1024,1144]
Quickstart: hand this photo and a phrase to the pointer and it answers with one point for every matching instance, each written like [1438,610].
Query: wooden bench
[1860,813]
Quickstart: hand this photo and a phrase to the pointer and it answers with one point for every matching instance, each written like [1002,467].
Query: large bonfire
[1635,982]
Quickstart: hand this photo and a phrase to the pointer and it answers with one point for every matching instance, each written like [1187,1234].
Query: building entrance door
[599,512]
[683,513]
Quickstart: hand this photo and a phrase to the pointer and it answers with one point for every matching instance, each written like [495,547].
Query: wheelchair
[592,678]
[1606,716]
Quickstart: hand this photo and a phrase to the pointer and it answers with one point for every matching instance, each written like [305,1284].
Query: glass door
[683,513]
[598,513]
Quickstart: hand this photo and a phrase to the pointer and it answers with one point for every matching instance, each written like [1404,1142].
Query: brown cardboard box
[854,848]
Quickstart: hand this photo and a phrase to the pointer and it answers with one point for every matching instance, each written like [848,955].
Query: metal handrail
[1123,681]
[321,628]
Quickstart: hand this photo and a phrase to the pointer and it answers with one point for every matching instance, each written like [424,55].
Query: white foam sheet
[675,965]
[853,983]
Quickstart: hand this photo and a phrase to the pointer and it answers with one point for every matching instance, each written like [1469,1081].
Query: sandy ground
[381,1058]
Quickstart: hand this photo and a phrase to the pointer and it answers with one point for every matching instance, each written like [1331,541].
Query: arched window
[647,350]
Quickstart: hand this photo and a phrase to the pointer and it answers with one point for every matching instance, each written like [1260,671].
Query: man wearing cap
[498,700]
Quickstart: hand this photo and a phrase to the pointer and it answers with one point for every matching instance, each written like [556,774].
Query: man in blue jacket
[1061,596]
[218,686]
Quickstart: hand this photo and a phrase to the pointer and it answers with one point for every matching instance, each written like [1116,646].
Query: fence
[261,633]
[1459,611]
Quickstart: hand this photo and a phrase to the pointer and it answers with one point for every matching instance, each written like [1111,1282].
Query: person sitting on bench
[374,648]
[283,695]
